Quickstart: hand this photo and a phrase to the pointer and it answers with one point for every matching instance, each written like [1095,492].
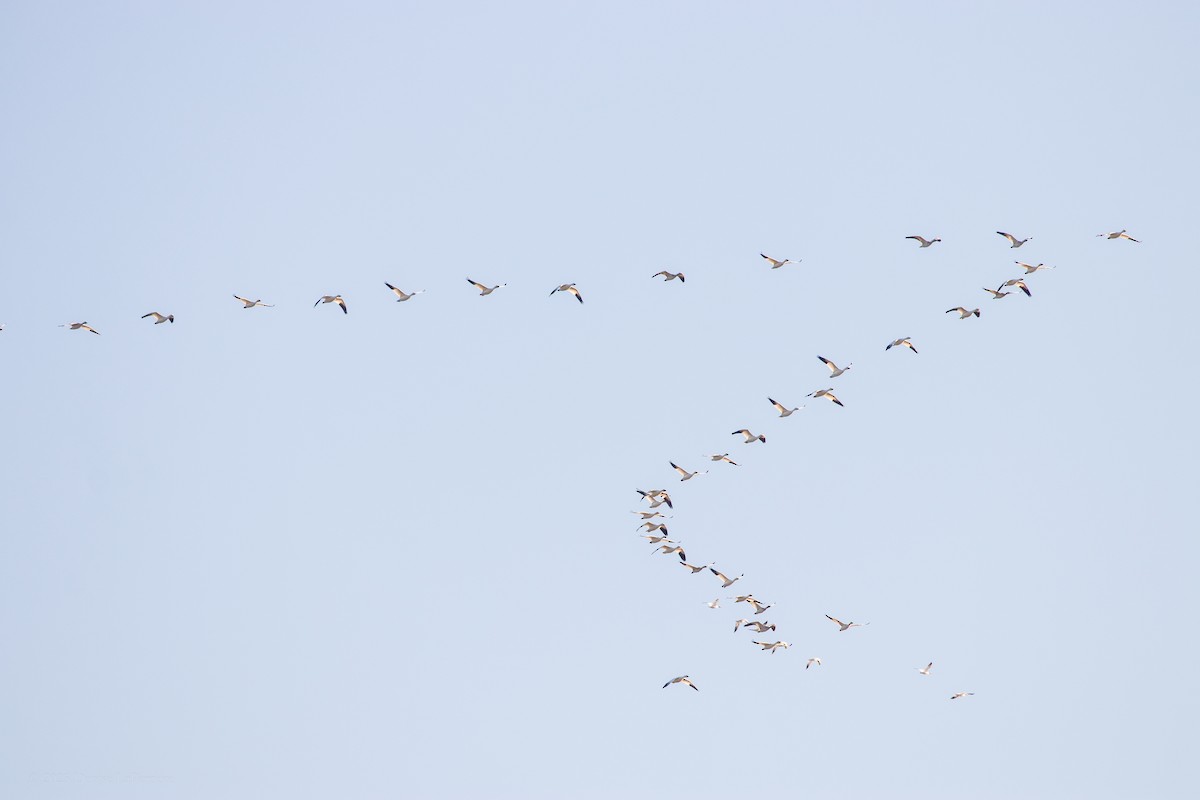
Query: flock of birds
[656,531]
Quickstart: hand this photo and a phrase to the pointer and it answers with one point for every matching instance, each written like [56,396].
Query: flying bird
[649,514]
[336,298]
[726,581]
[1030,268]
[1014,241]
[739,623]
[714,603]
[1117,235]
[784,412]
[400,295]
[773,646]
[957,695]
[812,661]
[996,293]
[905,342]
[657,497]
[827,394]
[681,679]
[570,288]
[652,539]
[252,303]
[924,242]
[484,291]
[759,607]
[845,626]
[750,437]
[159,319]
[1020,284]
[687,476]
[80,326]
[670,276]
[964,313]
[761,627]
[723,457]
[925,669]
[776,263]
[651,527]
[668,549]
[695,569]
[834,370]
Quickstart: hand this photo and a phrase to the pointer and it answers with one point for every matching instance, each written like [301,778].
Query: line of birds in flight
[657,533]
[571,289]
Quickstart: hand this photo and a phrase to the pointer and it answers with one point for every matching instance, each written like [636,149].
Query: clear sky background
[288,552]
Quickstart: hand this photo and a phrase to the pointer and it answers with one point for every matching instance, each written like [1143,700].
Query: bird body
[964,313]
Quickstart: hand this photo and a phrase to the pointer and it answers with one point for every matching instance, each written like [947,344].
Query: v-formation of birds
[657,533]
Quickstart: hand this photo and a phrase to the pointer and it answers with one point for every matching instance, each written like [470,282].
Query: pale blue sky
[293,553]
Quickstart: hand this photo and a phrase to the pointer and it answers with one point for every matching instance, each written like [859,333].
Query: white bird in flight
[1030,268]
[714,603]
[827,394]
[723,457]
[681,679]
[668,549]
[996,293]
[695,569]
[332,298]
[651,527]
[484,291]
[845,626]
[687,476]
[776,263]
[400,295]
[924,242]
[80,326]
[1015,242]
[252,303]
[759,607]
[964,313]
[750,437]
[737,623]
[569,288]
[784,412]
[957,695]
[834,370]
[657,497]
[925,669]
[159,319]
[649,514]
[905,342]
[761,627]
[773,646]
[726,581]
[1020,284]
[670,276]
[812,661]
[652,539]
[1117,235]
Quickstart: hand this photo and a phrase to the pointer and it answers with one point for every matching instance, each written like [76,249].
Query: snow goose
[726,581]
[750,437]
[681,679]
[925,669]
[834,370]
[252,303]
[1117,235]
[828,395]
[784,412]
[723,457]
[845,626]
[996,293]
[761,627]
[666,549]
[964,313]
[484,291]
[687,476]
[159,319]
[759,607]
[924,242]
[695,569]
[905,342]
[332,298]
[652,539]
[742,598]
[1030,268]
[651,527]
[737,623]
[812,661]
[714,603]
[773,646]
[1020,284]
[1013,241]
[569,288]
[657,497]
[400,295]
[776,263]
[649,514]
[957,695]
[80,326]
[670,276]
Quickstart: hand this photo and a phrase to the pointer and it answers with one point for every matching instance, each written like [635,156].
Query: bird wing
[835,619]
[476,284]
[575,292]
